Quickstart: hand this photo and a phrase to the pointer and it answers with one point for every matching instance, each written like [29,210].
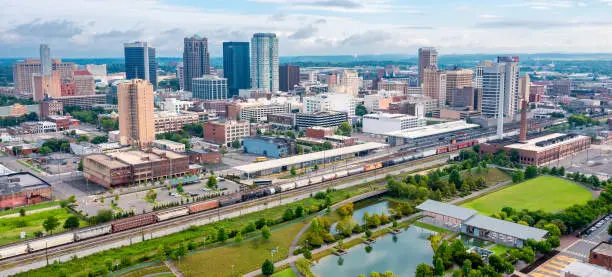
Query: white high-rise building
[325,102]
[45,60]
[209,87]
[500,84]
[180,75]
[264,62]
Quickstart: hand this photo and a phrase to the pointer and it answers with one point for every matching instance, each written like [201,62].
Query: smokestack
[523,135]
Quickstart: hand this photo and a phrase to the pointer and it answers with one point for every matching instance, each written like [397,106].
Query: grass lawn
[499,249]
[30,207]
[432,227]
[157,268]
[10,228]
[545,193]
[245,257]
[285,273]
[492,176]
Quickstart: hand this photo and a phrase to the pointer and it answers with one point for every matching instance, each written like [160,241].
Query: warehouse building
[305,160]
[270,147]
[21,189]
[431,135]
[382,123]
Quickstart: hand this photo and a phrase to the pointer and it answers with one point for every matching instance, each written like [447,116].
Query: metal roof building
[299,161]
[504,227]
[446,209]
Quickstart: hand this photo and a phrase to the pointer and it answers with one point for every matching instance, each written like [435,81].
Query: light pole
[232,270]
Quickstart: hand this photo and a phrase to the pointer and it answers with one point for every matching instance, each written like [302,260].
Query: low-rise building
[39,127]
[204,157]
[580,269]
[319,132]
[165,144]
[260,113]
[322,119]
[21,189]
[282,120]
[48,108]
[268,146]
[82,101]
[227,131]
[173,122]
[382,123]
[601,255]
[132,166]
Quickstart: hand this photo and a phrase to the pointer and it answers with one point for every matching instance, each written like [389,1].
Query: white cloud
[489,16]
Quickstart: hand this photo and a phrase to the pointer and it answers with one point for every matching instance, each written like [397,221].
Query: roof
[388,116]
[506,227]
[430,130]
[446,209]
[108,161]
[82,72]
[581,269]
[603,248]
[19,182]
[548,142]
[277,163]
[139,157]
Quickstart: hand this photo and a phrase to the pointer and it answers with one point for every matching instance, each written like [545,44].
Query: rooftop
[388,116]
[506,227]
[167,142]
[546,142]
[442,208]
[108,161]
[603,248]
[585,270]
[82,72]
[140,157]
[250,168]
[430,130]
[18,182]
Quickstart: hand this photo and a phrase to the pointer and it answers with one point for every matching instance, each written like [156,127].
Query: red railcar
[372,166]
[133,222]
[208,205]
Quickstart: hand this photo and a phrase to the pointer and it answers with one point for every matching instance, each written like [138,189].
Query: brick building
[226,132]
[48,108]
[21,189]
[601,255]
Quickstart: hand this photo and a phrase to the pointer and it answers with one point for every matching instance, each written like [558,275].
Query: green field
[545,193]
[30,207]
[10,228]
[245,257]
[285,273]
[499,249]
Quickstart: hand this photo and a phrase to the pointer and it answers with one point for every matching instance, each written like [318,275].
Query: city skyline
[309,27]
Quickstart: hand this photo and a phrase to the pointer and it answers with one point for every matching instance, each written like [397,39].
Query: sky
[98,28]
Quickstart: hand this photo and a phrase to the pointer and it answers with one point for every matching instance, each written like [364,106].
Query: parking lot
[597,160]
[580,249]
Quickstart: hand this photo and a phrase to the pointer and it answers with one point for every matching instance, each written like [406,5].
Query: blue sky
[97,28]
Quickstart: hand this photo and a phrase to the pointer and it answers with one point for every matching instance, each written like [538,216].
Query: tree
[360,110]
[288,214]
[424,270]
[265,232]
[80,165]
[610,229]
[221,235]
[514,155]
[531,172]
[22,212]
[439,267]
[307,254]
[50,224]
[455,178]
[238,238]
[344,129]
[44,150]
[293,172]
[235,144]
[467,267]
[71,222]
[17,150]
[212,181]
[518,176]
[99,139]
[267,269]
[181,251]
[299,211]
[151,196]
[83,138]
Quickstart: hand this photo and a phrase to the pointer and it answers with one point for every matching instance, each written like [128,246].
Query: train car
[262,182]
[302,183]
[51,241]
[230,200]
[342,173]
[252,194]
[203,206]
[14,250]
[165,215]
[372,166]
[429,153]
[288,186]
[388,163]
[316,180]
[355,171]
[133,222]
[94,231]
[329,177]
[269,191]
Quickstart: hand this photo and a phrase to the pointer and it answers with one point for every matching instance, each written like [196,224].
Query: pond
[401,254]
[371,206]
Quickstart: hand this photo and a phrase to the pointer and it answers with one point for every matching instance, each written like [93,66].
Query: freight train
[223,201]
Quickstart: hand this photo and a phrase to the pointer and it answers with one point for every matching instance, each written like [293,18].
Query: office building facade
[289,76]
[434,84]
[428,56]
[140,62]
[457,79]
[196,59]
[209,87]
[236,67]
[136,120]
[264,62]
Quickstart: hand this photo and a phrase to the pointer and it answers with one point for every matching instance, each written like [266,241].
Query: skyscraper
[136,121]
[428,56]
[180,75]
[350,82]
[457,79]
[140,62]
[434,84]
[196,60]
[236,66]
[289,76]
[264,62]
[45,60]
[500,84]
[210,87]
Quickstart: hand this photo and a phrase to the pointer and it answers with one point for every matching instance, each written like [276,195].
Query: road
[580,248]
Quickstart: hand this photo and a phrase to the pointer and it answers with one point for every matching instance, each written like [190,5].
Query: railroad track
[184,221]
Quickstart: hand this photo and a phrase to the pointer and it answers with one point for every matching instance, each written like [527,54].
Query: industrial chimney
[523,135]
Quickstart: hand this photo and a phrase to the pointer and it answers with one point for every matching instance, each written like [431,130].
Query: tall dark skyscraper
[288,76]
[140,62]
[236,66]
[196,59]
